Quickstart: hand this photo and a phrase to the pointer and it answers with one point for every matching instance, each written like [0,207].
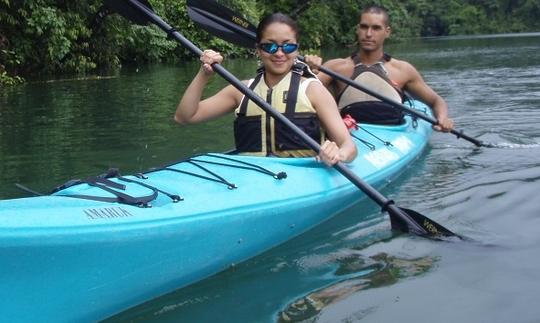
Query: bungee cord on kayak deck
[365,142]
[107,183]
[255,167]
[174,197]
[386,143]
[216,177]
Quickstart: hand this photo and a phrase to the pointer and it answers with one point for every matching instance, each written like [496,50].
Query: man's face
[372,31]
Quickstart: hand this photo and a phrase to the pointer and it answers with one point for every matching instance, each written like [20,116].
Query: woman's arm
[191,109]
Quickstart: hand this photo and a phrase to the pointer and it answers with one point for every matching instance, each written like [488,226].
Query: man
[379,72]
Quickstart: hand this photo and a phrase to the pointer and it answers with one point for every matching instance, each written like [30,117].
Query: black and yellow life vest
[362,106]
[257,133]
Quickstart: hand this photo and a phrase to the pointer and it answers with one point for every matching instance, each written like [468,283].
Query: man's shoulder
[402,72]
[399,62]
[401,65]
[339,60]
[340,63]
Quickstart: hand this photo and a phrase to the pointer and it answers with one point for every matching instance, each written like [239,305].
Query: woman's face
[279,62]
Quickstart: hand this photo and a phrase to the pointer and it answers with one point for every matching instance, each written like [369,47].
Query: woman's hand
[314,62]
[208,58]
[330,154]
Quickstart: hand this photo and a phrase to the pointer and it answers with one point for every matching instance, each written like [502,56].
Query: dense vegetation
[61,36]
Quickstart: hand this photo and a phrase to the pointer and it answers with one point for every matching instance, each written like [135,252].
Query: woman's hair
[279,18]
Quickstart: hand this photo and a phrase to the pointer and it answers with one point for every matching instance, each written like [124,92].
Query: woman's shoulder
[311,82]
[315,90]
[232,92]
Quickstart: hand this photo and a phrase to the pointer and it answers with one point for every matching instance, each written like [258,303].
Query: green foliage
[469,17]
[58,36]
[6,79]
[44,37]
[8,57]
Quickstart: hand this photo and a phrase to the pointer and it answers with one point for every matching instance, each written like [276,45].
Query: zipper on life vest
[268,127]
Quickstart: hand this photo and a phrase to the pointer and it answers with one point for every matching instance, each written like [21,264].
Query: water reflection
[374,272]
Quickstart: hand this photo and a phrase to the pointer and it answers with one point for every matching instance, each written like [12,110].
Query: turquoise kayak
[98,246]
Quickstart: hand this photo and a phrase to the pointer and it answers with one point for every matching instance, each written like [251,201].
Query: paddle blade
[430,227]
[126,10]
[222,22]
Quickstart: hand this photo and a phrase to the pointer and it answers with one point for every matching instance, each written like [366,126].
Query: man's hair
[380,10]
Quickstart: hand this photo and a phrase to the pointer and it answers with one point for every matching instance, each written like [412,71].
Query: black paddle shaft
[406,222]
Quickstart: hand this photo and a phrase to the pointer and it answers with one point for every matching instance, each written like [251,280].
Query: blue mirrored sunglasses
[272,48]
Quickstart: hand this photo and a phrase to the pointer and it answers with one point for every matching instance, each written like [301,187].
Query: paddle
[226,24]
[401,219]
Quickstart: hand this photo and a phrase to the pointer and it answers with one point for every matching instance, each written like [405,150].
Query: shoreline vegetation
[49,38]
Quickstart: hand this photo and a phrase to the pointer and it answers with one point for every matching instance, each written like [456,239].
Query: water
[343,270]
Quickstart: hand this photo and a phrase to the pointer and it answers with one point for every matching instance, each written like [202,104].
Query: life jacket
[364,107]
[257,133]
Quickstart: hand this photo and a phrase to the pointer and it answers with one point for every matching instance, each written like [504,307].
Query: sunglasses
[272,48]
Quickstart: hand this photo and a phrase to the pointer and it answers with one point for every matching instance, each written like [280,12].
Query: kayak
[98,246]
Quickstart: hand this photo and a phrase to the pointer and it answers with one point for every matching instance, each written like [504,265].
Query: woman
[305,101]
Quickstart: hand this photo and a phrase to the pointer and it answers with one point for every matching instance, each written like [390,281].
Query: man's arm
[416,85]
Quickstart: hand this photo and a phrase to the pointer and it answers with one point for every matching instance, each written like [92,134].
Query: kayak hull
[74,259]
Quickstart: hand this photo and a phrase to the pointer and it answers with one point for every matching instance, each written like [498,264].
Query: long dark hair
[279,18]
